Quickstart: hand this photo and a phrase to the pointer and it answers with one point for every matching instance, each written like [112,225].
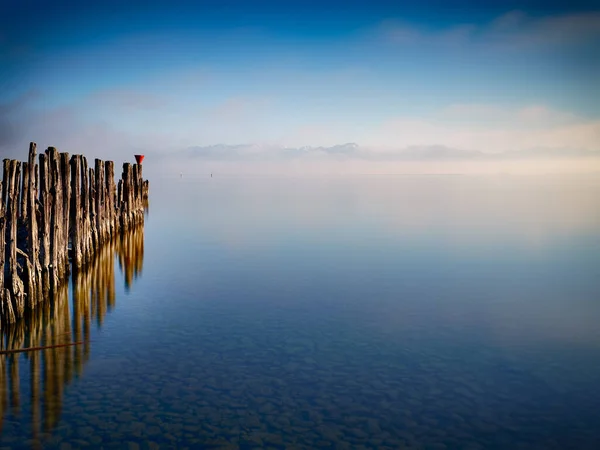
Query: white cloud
[400,32]
[537,114]
[513,30]
[508,21]
[491,128]
[474,112]
[329,133]
[130,99]
[240,108]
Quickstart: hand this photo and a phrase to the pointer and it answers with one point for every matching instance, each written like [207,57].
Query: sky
[251,85]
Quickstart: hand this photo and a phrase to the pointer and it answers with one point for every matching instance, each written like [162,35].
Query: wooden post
[3,299]
[33,275]
[128,194]
[66,196]
[45,209]
[12,208]
[139,208]
[93,218]
[124,199]
[2,234]
[134,190]
[85,201]
[56,203]
[24,189]
[111,197]
[6,309]
[120,207]
[100,202]
[76,219]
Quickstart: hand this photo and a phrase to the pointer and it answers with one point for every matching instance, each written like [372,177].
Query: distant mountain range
[260,152]
[256,152]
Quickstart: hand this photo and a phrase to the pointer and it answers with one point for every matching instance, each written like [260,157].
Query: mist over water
[336,312]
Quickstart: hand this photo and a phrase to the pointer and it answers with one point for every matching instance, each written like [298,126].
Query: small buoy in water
[181,175]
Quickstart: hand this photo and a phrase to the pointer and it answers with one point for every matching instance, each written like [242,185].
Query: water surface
[365,312]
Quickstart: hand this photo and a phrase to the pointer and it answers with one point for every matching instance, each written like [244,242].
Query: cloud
[13,115]
[474,110]
[126,99]
[326,133]
[404,132]
[513,30]
[570,28]
[65,128]
[537,114]
[548,153]
[502,116]
[239,108]
[221,152]
[401,32]
[352,151]
[434,152]
[270,152]
[508,21]
[110,123]
[490,129]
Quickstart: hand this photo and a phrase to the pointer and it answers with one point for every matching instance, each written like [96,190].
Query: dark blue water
[367,312]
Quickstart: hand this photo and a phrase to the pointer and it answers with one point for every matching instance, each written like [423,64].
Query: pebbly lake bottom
[419,312]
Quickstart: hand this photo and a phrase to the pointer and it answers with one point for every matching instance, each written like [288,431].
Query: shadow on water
[60,333]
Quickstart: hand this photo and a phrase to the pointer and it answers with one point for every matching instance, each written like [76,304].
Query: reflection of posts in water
[34,367]
[50,369]
[130,249]
[2,389]
[15,404]
[56,361]
[50,324]
[103,282]
[93,296]
[13,337]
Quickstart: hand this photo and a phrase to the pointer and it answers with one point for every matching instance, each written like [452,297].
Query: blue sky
[165,76]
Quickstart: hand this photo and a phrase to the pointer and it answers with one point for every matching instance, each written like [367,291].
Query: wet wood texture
[54,209]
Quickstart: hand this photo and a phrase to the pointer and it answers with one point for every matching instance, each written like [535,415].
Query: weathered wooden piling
[66,211]
[24,187]
[58,208]
[85,202]
[56,216]
[12,171]
[93,215]
[111,199]
[76,212]
[45,210]
[6,308]
[33,267]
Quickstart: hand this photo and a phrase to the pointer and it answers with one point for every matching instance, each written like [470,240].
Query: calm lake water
[368,312]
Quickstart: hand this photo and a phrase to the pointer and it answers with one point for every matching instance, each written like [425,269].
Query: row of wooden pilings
[54,209]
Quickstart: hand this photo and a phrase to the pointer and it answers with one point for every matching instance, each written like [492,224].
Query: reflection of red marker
[139,158]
